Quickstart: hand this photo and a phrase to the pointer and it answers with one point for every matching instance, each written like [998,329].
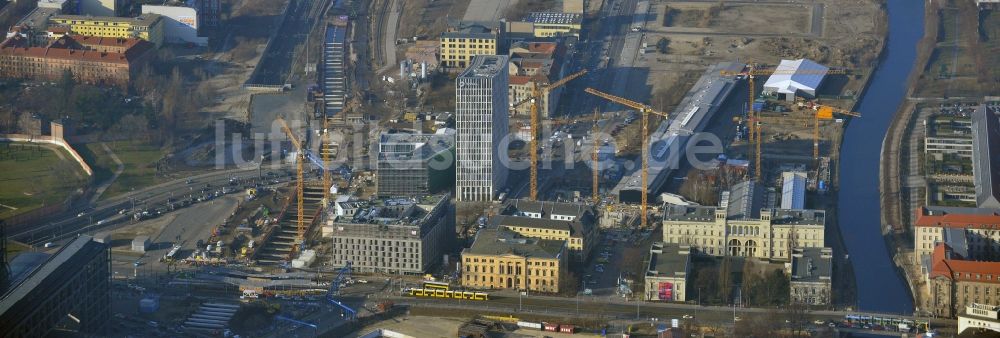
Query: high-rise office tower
[481,119]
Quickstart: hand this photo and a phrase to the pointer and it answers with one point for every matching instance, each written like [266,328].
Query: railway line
[377,21]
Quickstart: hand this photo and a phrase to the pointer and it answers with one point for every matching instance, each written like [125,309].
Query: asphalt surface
[276,63]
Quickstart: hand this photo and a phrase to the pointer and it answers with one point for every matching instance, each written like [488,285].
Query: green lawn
[32,176]
[140,165]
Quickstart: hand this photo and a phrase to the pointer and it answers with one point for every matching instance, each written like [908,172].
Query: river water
[880,288]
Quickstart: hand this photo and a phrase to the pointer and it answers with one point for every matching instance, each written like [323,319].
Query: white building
[481,106]
[181,24]
[793,190]
[796,77]
[979,316]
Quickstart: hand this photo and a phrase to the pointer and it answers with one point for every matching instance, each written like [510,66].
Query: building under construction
[668,141]
[69,290]
[399,235]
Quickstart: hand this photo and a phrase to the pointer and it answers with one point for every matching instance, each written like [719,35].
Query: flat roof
[16,292]
[812,264]
[38,18]
[668,260]
[798,217]
[486,66]
[793,190]
[145,19]
[555,18]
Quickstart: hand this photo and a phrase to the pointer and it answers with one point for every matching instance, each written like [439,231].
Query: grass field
[32,176]
[140,165]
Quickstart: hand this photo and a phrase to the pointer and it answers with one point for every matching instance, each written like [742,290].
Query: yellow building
[148,27]
[465,39]
[501,259]
[574,223]
[741,227]
[550,24]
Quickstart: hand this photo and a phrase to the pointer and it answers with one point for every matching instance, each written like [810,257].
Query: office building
[102,7]
[501,259]
[209,12]
[95,62]
[986,154]
[481,121]
[667,272]
[148,27]
[466,39]
[414,164]
[535,64]
[180,25]
[552,24]
[574,223]
[71,286]
[948,136]
[739,226]
[398,236]
[979,317]
[975,232]
[811,276]
[953,282]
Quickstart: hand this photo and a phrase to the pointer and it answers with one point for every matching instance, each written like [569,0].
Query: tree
[66,84]
[663,45]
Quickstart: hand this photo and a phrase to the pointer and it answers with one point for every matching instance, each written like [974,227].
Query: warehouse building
[180,24]
[793,190]
[71,286]
[552,24]
[414,164]
[399,236]
[667,272]
[796,77]
[502,259]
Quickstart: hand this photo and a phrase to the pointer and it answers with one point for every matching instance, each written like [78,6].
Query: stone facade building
[105,62]
[954,282]
[811,276]
[502,259]
[574,223]
[667,272]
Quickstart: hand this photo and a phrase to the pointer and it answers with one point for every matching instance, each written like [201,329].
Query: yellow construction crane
[536,94]
[645,111]
[823,113]
[753,134]
[299,184]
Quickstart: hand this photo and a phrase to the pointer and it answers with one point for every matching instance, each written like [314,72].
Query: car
[688,317]
[588,291]
[819,322]
[49,245]
[737,318]
[599,269]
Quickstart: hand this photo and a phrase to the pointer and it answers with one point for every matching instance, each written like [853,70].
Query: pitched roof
[945,263]
[957,217]
[795,75]
[503,242]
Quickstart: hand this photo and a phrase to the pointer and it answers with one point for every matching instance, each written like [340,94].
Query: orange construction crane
[751,71]
[299,185]
[645,111]
[823,113]
[536,95]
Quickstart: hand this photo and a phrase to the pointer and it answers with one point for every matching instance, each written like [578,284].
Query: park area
[34,175]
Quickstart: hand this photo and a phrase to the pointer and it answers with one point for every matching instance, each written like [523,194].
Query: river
[879,287]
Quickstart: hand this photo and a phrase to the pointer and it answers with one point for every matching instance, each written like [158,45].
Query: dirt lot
[421,326]
[963,61]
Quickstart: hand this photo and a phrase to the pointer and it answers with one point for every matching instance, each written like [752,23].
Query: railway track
[378,28]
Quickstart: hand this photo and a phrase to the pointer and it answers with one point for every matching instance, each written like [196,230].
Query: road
[85,219]
[487,10]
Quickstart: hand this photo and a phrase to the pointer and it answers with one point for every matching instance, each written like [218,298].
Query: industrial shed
[792,77]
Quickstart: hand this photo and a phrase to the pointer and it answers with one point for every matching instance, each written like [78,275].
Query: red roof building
[954,282]
[101,61]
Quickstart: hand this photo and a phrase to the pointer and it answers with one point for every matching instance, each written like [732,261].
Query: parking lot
[608,262]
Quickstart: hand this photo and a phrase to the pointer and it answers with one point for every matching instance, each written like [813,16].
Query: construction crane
[299,185]
[753,134]
[645,111]
[823,113]
[536,95]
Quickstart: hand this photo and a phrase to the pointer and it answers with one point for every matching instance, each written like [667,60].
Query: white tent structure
[794,76]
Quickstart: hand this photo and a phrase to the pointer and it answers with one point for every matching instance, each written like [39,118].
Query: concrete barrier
[49,140]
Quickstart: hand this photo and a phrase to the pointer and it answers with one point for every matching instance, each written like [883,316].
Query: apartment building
[535,64]
[148,27]
[465,39]
[574,223]
[954,282]
[502,259]
[398,236]
[481,120]
[96,61]
[739,226]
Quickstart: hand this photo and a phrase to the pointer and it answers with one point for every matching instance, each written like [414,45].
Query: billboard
[666,291]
